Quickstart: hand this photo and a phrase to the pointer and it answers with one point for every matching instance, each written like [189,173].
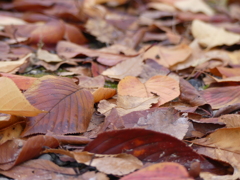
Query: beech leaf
[69,106]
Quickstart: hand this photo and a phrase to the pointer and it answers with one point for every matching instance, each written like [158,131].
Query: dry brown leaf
[168,56]
[169,122]
[116,164]
[11,66]
[41,169]
[225,139]
[211,36]
[127,104]
[69,107]
[231,120]
[47,56]
[88,82]
[226,156]
[103,93]
[13,101]
[203,59]
[129,67]
[194,6]
[11,133]
[165,87]
[104,31]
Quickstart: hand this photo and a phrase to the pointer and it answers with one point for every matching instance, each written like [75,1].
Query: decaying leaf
[48,57]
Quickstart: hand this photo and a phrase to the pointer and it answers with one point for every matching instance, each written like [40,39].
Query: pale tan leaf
[121,164]
[10,133]
[194,6]
[9,66]
[211,36]
[47,56]
[12,101]
[127,104]
[104,107]
[130,67]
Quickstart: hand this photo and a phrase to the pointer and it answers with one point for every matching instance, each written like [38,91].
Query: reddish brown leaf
[222,96]
[17,151]
[147,145]
[74,35]
[69,106]
[189,94]
[49,33]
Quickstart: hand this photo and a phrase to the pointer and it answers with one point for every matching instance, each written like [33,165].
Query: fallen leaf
[49,33]
[169,122]
[146,145]
[47,57]
[129,67]
[69,50]
[73,34]
[190,95]
[69,106]
[104,31]
[165,87]
[117,164]
[127,104]
[17,151]
[225,139]
[103,93]
[219,97]
[168,56]
[161,171]
[40,169]
[22,82]
[194,6]
[211,36]
[13,66]
[12,132]
[13,101]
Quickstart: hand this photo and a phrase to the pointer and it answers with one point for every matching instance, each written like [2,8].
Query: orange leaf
[165,87]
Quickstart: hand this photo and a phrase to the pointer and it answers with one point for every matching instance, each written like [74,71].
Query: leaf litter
[151,88]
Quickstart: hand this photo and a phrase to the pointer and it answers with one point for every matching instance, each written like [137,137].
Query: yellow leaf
[13,102]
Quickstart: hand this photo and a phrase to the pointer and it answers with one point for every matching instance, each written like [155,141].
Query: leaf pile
[118,89]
